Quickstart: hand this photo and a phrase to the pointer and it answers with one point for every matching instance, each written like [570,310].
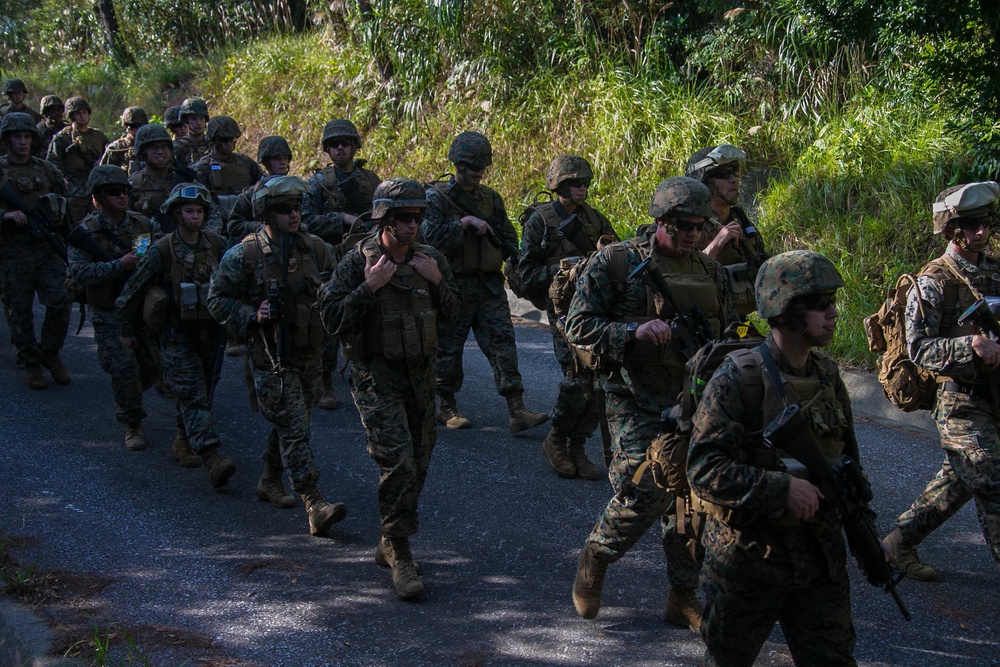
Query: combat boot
[33,376]
[233,348]
[135,439]
[584,468]
[589,583]
[163,390]
[521,419]
[405,577]
[554,450]
[903,556]
[327,401]
[270,488]
[321,514]
[219,469]
[182,452]
[448,414]
[56,368]
[683,608]
[384,556]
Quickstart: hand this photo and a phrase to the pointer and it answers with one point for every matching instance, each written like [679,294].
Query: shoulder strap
[215,241]
[165,248]
[751,379]
[251,252]
[618,263]
[952,266]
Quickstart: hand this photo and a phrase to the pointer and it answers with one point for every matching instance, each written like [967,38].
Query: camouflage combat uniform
[226,179]
[188,150]
[48,129]
[149,192]
[641,381]
[761,564]
[119,153]
[740,259]
[966,413]
[76,154]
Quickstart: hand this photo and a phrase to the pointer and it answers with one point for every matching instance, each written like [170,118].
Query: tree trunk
[112,35]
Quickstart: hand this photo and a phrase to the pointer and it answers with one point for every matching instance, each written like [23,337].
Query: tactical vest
[476,254]
[303,324]
[692,283]
[556,244]
[189,274]
[225,179]
[117,243]
[957,295]
[82,151]
[148,194]
[740,262]
[403,324]
[366,181]
[188,151]
[31,180]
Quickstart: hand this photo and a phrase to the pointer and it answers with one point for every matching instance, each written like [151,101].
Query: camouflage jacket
[735,251]
[188,150]
[119,153]
[30,180]
[5,109]
[46,130]
[764,542]
[76,153]
[323,208]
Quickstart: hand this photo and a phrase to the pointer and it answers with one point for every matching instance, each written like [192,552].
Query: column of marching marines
[184,248]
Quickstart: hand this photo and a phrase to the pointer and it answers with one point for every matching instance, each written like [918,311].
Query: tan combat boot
[521,419]
[219,469]
[33,376]
[328,401]
[903,556]
[584,468]
[384,555]
[321,514]
[448,414]
[682,608]
[135,438]
[554,450]
[589,582]
[56,368]
[270,488]
[405,577]
[182,452]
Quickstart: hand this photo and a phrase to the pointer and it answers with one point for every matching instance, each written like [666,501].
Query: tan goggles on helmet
[723,155]
[192,192]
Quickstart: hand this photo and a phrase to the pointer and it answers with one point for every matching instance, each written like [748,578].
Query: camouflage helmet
[471,148]
[397,193]
[106,175]
[972,200]
[277,190]
[151,134]
[77,103]
[568,168]
[340,127]
[221,128]
[11,86]
[17,121]
[791,274]
[680,194]
[707,160]
[134,116]
[195,193]
[50,101]
[172,116]
[273,146]
[193,106]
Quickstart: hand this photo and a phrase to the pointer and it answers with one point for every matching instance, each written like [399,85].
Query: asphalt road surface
[233,581]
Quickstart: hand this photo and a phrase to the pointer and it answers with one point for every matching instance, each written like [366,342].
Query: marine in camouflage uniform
[192,146]
[625,324]
[730,238]
[152,185]
[768,554]
[51,124]
[565,227]
[172,120]
[965,359]
[181,263]
[120,152]
[338,196]
[276,156]
[223,171]
[383,302]
[468,222]
[282,353]
[76,150]
[117,231]
[29,265]
[16,91]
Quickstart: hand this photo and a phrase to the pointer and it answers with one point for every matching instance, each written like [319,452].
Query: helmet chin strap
[392,232]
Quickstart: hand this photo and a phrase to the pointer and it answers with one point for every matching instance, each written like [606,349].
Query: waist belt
[968,388]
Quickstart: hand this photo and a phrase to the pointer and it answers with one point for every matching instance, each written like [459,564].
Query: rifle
[276,302]
[352,192]
[217,359]
[690,330]
[846,496]
[40,223]
[461,199]
[983,314]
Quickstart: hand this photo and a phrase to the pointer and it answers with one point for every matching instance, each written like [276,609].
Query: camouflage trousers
[286,400]
[488,316]
[634,507]
[575,412]
[970,471]
[741,611]
[78,203]
[30,267]
[132,371]
[396,403]
[187,365]
[331,344]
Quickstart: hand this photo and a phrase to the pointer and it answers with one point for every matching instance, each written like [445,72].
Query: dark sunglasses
[819,302]
[341,142]
[973,224]
[115,191]
[686,226]
[408,217]
[133,126]
[725,174]
[286,209]
[576,183]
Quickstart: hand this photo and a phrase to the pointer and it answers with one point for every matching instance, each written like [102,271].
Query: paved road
[232,581]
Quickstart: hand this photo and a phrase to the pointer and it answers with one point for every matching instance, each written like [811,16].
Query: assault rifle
[40,223]
[462,200]
[352,192]
[690,329]
[219,355]
[276,288]
[983,314]
[846,496]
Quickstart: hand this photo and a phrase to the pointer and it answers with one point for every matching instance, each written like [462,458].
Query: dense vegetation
[855,113]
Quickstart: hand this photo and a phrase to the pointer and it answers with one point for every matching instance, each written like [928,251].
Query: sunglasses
[576,183]
[342,142]
[115,191]
[286,209]
[819,302]
[725,174]
[686,226]
[973,224]
[408,217]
